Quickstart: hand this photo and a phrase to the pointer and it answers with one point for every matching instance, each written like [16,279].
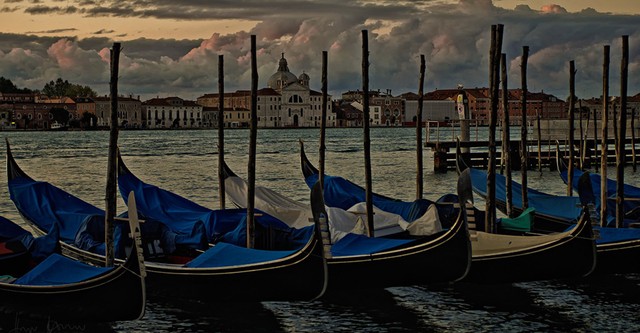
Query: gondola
[618,250]
[631,207]
[59,288]
[552,213]
[356,261]
[222,272]
[495,257]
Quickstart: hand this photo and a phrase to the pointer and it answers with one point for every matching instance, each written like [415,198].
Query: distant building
[130,113]
[432,110]
[545,105]
[391,109]
[172,112]
[287,101]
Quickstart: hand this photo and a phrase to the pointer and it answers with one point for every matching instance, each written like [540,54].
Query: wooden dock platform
[544,157]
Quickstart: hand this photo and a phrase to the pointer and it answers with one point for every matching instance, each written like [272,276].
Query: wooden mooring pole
[323,122]
[622,131]
[604,153]
[112,167]
[419,172]
[524,154]
[253,128]
[572,94]
[494,75]
[221,186]
[367,139]
[595,140]
[633,139]
[506,140]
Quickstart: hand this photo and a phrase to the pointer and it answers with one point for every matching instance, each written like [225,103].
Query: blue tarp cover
[629,192]
[568,208]
[223,255]
[58,270]
[179,214]
[341,193]
[612,235]
[10,230]
[39,247]
[353,244]
[45,204]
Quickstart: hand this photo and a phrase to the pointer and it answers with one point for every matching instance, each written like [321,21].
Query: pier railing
[441,139]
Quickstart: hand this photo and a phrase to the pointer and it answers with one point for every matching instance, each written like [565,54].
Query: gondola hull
[115,296]
[571,255]
[444,257]
[298,275]
[506,258]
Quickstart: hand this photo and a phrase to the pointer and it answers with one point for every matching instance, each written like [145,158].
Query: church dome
[282,77]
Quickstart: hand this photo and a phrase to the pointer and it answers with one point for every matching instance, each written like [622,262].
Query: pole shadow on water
[175,316]
[359,310]
[469,307]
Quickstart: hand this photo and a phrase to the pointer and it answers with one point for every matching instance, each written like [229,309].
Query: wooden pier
[444,154]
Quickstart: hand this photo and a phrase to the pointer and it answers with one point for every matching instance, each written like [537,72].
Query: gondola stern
[135,261]
[322,232]
[226,171]
[307,167]
[13,169]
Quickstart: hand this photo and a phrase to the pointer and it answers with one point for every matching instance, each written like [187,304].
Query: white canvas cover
[297,215]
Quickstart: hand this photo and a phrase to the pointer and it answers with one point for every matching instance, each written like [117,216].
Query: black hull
[300,277]
[445,257]
[571,256]
[619,257]
[116,295]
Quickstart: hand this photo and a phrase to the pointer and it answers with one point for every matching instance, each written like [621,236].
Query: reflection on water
[186,163]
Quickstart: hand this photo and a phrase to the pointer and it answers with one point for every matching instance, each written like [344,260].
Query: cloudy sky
[171,48]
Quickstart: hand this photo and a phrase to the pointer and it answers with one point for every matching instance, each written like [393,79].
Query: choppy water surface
[186,163]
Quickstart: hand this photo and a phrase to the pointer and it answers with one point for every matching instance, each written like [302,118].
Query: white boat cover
[341,222]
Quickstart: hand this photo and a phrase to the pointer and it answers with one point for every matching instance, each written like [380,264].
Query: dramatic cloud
[453,37]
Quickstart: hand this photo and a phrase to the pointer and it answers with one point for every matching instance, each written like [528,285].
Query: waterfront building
[432,110]
[129,112]
[172,112]
[287,101]
[42,115]
[538,104]
[392,109]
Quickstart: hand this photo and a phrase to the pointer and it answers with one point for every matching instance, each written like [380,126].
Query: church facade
[287,101]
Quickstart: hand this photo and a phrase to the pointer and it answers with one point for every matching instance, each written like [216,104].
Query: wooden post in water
[253,128]
[323,122]
[633,139]
[506,141]
[419,180]
[494,75]
[524,154]
[365,125]
[622,132]
[595,140]
[581,133]
[615,124]
[572,94]
[221,186]
[112,167]
[605,134]
[539,143]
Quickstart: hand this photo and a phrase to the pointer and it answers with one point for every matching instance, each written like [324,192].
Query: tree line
[57,88]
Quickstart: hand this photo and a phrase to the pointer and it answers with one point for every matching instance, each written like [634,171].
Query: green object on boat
[521,223]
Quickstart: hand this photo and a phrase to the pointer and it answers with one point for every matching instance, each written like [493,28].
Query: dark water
[186,163]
